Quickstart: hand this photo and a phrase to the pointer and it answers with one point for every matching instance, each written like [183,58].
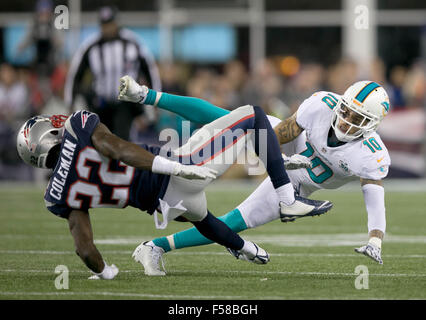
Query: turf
[312,258]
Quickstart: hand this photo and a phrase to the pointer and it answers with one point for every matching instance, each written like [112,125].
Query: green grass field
[312,258]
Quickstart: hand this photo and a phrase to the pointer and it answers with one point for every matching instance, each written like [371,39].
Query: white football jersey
[332,167]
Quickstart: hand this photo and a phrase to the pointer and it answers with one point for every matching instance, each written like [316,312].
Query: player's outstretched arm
[374,198]
[81,231]
[287,130]
[193,109]
[113,147]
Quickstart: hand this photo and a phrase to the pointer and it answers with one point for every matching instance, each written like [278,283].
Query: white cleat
[261,256]
[303,207]
[150,256]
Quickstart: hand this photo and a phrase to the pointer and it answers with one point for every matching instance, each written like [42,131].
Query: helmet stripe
[363,94]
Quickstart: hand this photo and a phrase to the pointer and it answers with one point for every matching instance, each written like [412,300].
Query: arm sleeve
[374,198]
[193,109]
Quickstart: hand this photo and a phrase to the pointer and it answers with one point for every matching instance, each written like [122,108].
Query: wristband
[376,241]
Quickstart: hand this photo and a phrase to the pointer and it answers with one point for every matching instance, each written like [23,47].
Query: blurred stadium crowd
[278,84]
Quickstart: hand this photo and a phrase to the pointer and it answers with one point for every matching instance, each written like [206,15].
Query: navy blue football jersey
[83,178]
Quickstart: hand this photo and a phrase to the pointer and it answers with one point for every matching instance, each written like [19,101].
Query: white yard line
[128,252]
[311,240]
[261,273]
[115,294]
[174,297]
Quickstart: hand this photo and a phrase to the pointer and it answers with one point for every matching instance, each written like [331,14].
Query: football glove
[165,166]
[108,273]
[296,161]
[130,90]
[371,250]
[194,172]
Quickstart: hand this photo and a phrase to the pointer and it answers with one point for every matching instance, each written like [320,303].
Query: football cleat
[303,207]
[150,256]
[261,256]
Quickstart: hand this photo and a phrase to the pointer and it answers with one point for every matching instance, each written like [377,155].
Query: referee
[97,66]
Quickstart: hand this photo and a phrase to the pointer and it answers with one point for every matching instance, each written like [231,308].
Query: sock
[192,237]
[286,194]
[274,162]
[161,242]
[217,231]
[193,109]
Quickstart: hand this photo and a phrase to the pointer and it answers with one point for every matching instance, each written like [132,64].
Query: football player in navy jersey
[93,168]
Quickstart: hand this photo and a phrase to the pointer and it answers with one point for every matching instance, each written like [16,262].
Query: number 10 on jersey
[316,162]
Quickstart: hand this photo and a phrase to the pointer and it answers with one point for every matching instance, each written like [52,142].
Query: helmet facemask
[39,140]
[355,118]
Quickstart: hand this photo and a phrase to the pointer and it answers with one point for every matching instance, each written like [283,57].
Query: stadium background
[265,52]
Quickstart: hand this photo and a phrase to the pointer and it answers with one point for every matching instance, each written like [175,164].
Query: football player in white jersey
[336,133]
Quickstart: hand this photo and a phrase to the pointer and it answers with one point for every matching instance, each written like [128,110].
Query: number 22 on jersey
[110,188]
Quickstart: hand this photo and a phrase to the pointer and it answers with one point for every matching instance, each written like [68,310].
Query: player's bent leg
[264,205]
[217,144]
[185,193]
[219,232]
[150,253]
[261,207]
[192,237]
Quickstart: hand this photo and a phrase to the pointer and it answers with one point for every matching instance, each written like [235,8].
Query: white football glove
[130,90]
[194,172]
[108,273]
[165,166]
[296,161]
[371,250]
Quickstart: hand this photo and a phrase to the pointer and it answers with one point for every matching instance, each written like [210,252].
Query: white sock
[249,249]
[286,193]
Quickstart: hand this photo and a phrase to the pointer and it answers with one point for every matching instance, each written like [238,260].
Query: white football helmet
[37,139]
[368,103]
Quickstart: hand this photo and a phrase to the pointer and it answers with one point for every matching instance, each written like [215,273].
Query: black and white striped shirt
[109,60]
